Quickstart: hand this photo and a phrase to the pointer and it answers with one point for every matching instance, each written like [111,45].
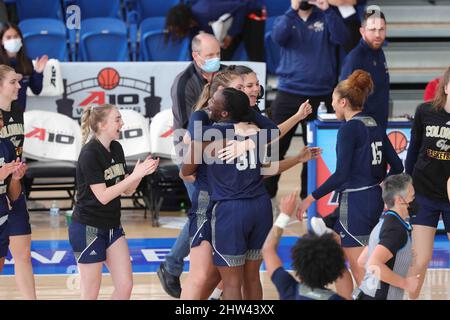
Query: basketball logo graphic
[108,78]
[398,141]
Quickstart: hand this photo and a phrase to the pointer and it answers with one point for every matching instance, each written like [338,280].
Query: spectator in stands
[248,24]
[13,53]
[369,56]
[185,91]
[308,35]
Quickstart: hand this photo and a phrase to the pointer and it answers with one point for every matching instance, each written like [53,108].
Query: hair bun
[361,80]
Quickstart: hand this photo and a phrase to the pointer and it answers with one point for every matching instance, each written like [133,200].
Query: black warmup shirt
[428,158]
[13,128]
[98,165]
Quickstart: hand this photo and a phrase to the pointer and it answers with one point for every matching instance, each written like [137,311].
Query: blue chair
[277,7]
[154,8]
[45,36]
[99,8]
[155,48]
[153,24]
[103,39]
[30,9]
[272,49]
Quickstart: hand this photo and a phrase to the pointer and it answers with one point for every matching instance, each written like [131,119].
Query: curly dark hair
[317,261]
[179,20]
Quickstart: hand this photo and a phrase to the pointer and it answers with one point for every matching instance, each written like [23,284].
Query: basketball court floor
[55,267]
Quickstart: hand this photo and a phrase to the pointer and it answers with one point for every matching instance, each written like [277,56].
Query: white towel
[52,84]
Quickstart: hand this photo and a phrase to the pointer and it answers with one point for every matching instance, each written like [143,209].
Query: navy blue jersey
[199,119]
[199,123]
[240,179]
[363,151]
[289,289]
[7,154]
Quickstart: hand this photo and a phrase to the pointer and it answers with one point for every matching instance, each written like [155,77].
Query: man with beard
[369,56]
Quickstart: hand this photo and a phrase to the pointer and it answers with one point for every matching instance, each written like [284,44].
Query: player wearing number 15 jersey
[363,152]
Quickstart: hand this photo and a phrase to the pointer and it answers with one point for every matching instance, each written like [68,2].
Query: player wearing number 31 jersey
[363,152]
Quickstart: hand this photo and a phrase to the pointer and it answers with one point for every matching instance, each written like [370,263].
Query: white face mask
[12,45]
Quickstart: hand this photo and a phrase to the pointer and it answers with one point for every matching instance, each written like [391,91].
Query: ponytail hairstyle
[440,98]
[222,78]
[356,88]
[92,116]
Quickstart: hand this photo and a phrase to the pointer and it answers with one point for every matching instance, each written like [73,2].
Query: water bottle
[54,215]
[322,109]
[183,207]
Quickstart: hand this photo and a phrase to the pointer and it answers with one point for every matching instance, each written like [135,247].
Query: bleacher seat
[277,7]
[272,49]
[45,36]
[30,9]
[103,39]
[100,8]
[153,47]
[153,24]
[154,8]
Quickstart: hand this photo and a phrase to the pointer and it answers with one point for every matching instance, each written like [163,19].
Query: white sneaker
[318,226]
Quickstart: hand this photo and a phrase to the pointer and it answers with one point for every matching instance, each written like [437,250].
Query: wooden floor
[146,285]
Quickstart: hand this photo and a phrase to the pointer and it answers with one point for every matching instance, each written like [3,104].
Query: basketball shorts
[18,218]
[239,229]
[89,243]
[200,218]
[4,236]
[429,212]
[358,213]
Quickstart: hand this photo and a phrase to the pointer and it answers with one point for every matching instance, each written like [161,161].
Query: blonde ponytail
[92,116]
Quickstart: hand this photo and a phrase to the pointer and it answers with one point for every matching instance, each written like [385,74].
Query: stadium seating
[29,9]
[99,8]
[45,36]
[154,47]
[98,36]
[153,8]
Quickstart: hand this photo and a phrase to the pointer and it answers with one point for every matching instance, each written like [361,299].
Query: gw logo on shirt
[114,171]
[318,26]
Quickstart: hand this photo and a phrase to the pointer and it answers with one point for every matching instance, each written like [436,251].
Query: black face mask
[304,6]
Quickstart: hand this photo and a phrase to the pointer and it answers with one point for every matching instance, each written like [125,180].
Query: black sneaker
[170,283]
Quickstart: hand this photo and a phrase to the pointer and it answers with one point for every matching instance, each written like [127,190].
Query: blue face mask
[211,65]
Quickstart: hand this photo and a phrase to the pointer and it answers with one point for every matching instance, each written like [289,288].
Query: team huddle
[384,218]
